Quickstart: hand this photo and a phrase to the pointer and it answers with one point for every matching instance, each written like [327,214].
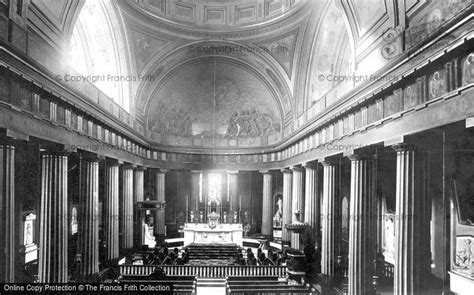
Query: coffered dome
[217,14]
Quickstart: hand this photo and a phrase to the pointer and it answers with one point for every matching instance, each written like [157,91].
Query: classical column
[160,230]
[297,203]
[328,218]
[7,212]
[138,184]
[267,216]
[233,177]
[408,252]
[287,189]
[195,193]
[126,218]
[362,236]
[312,202]
[138,196]
[53,226]
[89,216]
[112,210]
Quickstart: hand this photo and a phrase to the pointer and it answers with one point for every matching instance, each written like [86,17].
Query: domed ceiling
[214,103]
[216,14]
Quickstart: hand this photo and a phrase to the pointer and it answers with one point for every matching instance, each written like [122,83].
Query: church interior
[238,146]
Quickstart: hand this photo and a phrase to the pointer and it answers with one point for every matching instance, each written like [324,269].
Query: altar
[203,233]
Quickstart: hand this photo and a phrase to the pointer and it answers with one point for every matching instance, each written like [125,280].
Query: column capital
[401,147]
[90,157]
[163,171]
[233,172]
[286,171]
[59,153]
[361,156]
[264,171]
[113,162]
[310,165]
[329,162]
[140,168]
[296,169]
[129,166]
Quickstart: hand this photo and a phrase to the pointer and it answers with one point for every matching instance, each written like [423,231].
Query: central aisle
[210,286]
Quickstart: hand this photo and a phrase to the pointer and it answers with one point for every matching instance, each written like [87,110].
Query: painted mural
[218,100]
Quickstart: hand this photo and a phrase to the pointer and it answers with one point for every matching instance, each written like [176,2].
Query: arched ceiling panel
[214,102]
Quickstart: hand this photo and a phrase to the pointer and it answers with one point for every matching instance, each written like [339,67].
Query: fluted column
[297,203]
[287,190]
[112,210]
[160,230]
[362,240]
[89,216]
[328,218]
[312,202]
[138,184]
[267,218]
[7,213]
[407,249]
[53,227]
[126,218]
[195,193]
[233,177]
[138,196]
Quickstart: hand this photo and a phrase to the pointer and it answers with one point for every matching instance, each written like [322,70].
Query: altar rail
[207,271]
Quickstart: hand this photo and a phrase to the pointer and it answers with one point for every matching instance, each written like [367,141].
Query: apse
[214,103]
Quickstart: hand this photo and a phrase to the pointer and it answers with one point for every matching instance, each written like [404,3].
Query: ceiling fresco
[214,99]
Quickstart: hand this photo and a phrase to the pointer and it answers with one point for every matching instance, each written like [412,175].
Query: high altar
[213,232]
[202,233]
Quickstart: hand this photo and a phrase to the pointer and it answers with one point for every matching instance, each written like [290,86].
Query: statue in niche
[464,254]
[410,96]
[277,219]
[191,216]
[74,225]
[437,85]
[468,70]
[147,228]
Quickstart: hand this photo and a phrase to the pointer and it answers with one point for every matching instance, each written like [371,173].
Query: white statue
[147,234]
[277,219]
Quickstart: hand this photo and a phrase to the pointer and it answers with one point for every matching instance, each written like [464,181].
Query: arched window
[96,52]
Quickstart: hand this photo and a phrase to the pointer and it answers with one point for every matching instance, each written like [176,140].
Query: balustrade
[211,271]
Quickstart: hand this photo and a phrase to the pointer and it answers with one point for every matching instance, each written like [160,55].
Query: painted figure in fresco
[251,124]
[233,128]
[267,124]
[254,124]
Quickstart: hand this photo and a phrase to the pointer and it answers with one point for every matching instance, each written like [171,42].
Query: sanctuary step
[212,251]
[210,286]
